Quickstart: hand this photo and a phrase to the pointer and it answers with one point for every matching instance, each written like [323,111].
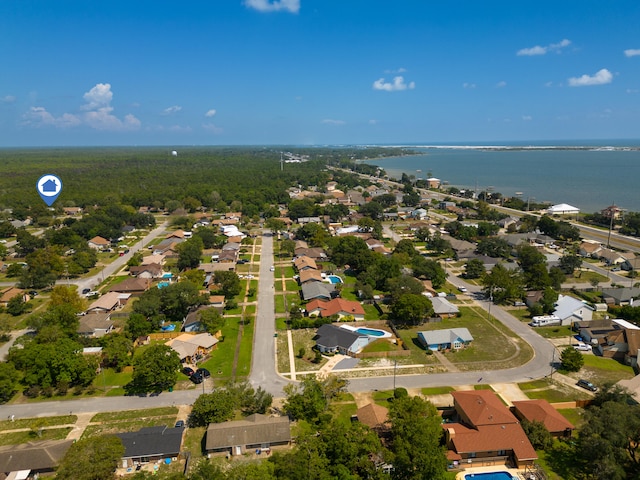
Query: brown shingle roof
[542,411]
[492,438]
[310,275]
[482,407]
[373,415]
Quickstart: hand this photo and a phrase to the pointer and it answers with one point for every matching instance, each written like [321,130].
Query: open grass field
[15,438]
[602,370]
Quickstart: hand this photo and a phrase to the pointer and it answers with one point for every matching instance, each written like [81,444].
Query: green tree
[352,251]
[215,407]
[310,399]
[411,309]
[229,283]
[92,458]
[189,253]
[211,320]
[17,306]
[415,440]
[155,370]
[569,263]
[402,284]
[250,400]
[67,295]
[178,298]
[537,434]
[494,247]
[138,325]
[44,267]
[572,360]
[117,351]
[429,269]
[474,268]
[503,285]
[9,377]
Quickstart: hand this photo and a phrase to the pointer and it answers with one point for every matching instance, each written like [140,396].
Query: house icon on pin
[50,186]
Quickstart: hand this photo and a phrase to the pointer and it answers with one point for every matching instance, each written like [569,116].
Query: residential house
[428,288]
[374,416]
[193,348]
[95,325]
[109,302]
[32,459]
[621,296]
[72,210]
[563,209]
[631,265]
[333,339]
[150,445]
[319,290]
[309,275]
[99,243]
[532,297]
[462,248]
[305,263]
[147,271]
[589,248]
[180,234]
[228,256]
[149,259]
[253,433]
[612,257]
[11,292]
[445,339]
[569,310]
[443,308]
[217,302]
[132,286]
[317,253]
[338,306]
[191,323]
[434,182]
[633,348]
[543,412]
[168,247]
[419,213]
[486,433]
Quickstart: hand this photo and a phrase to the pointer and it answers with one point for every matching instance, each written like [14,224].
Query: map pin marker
[49,187]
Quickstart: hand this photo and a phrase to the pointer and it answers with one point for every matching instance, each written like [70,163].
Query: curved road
[264,372]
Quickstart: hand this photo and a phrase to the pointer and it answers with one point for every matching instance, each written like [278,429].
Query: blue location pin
[49,187]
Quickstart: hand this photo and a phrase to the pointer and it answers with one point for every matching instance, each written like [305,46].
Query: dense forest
[154,176]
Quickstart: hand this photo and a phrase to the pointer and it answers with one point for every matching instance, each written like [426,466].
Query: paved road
[263,360]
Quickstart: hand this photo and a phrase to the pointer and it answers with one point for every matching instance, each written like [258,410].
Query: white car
[583,347]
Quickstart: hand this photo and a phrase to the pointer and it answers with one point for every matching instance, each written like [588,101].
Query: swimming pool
[167,275]
[489,476]
[163,284]
[334,279]
[370,332]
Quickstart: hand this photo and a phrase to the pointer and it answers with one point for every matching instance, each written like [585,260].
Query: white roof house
[563,209]
[443,307]
[569,309]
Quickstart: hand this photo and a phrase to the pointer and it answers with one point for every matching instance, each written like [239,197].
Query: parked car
[463,289]
[196,378]
[180,424]
[33,293]
[583,347]
[587,385]
[273,269]
[85,291]
[203,372]
[188,371]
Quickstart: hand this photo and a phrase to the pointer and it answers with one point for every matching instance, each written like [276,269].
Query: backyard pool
[371,332]
[489,476]
[163,284]
[167,275]
[334,279]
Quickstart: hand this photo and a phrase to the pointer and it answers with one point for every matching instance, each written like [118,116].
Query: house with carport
[255,433]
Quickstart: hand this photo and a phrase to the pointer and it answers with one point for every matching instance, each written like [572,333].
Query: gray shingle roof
[152,441]
[255,429]
[330,336]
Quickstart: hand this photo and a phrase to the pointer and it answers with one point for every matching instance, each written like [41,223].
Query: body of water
[588,177]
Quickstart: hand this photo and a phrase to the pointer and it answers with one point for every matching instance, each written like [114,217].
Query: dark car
[188,371]
[33,293]
[85,291]
[587,385]
[204,372]
[196,378]
[180,424]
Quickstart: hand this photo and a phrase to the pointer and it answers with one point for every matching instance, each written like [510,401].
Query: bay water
[590,177]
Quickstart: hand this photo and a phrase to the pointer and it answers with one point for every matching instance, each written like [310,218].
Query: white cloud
[210,113]
[601,77]
[397,85]
[8,99]
[97,113]
[330,121]
[501,84]
[632,52]
[292,6]
[632,90]
[373,122]
[99,96]
[470,86]
[210,127]
[395,72]
[38,116]
[527,118]
[539,50]
[171,110]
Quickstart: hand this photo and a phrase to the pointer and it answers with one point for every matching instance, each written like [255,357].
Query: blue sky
[230,72]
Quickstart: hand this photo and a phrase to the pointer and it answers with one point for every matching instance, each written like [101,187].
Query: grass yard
[436,391]
[382,397]
[193,441]
[279,304]
[371,312]
[37,422]
[243,366]
[291,285]
[556,332]
[557,392]
[574,415]
[128,426]
[134,414]
[381,345]
[15,438]
[602,370]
